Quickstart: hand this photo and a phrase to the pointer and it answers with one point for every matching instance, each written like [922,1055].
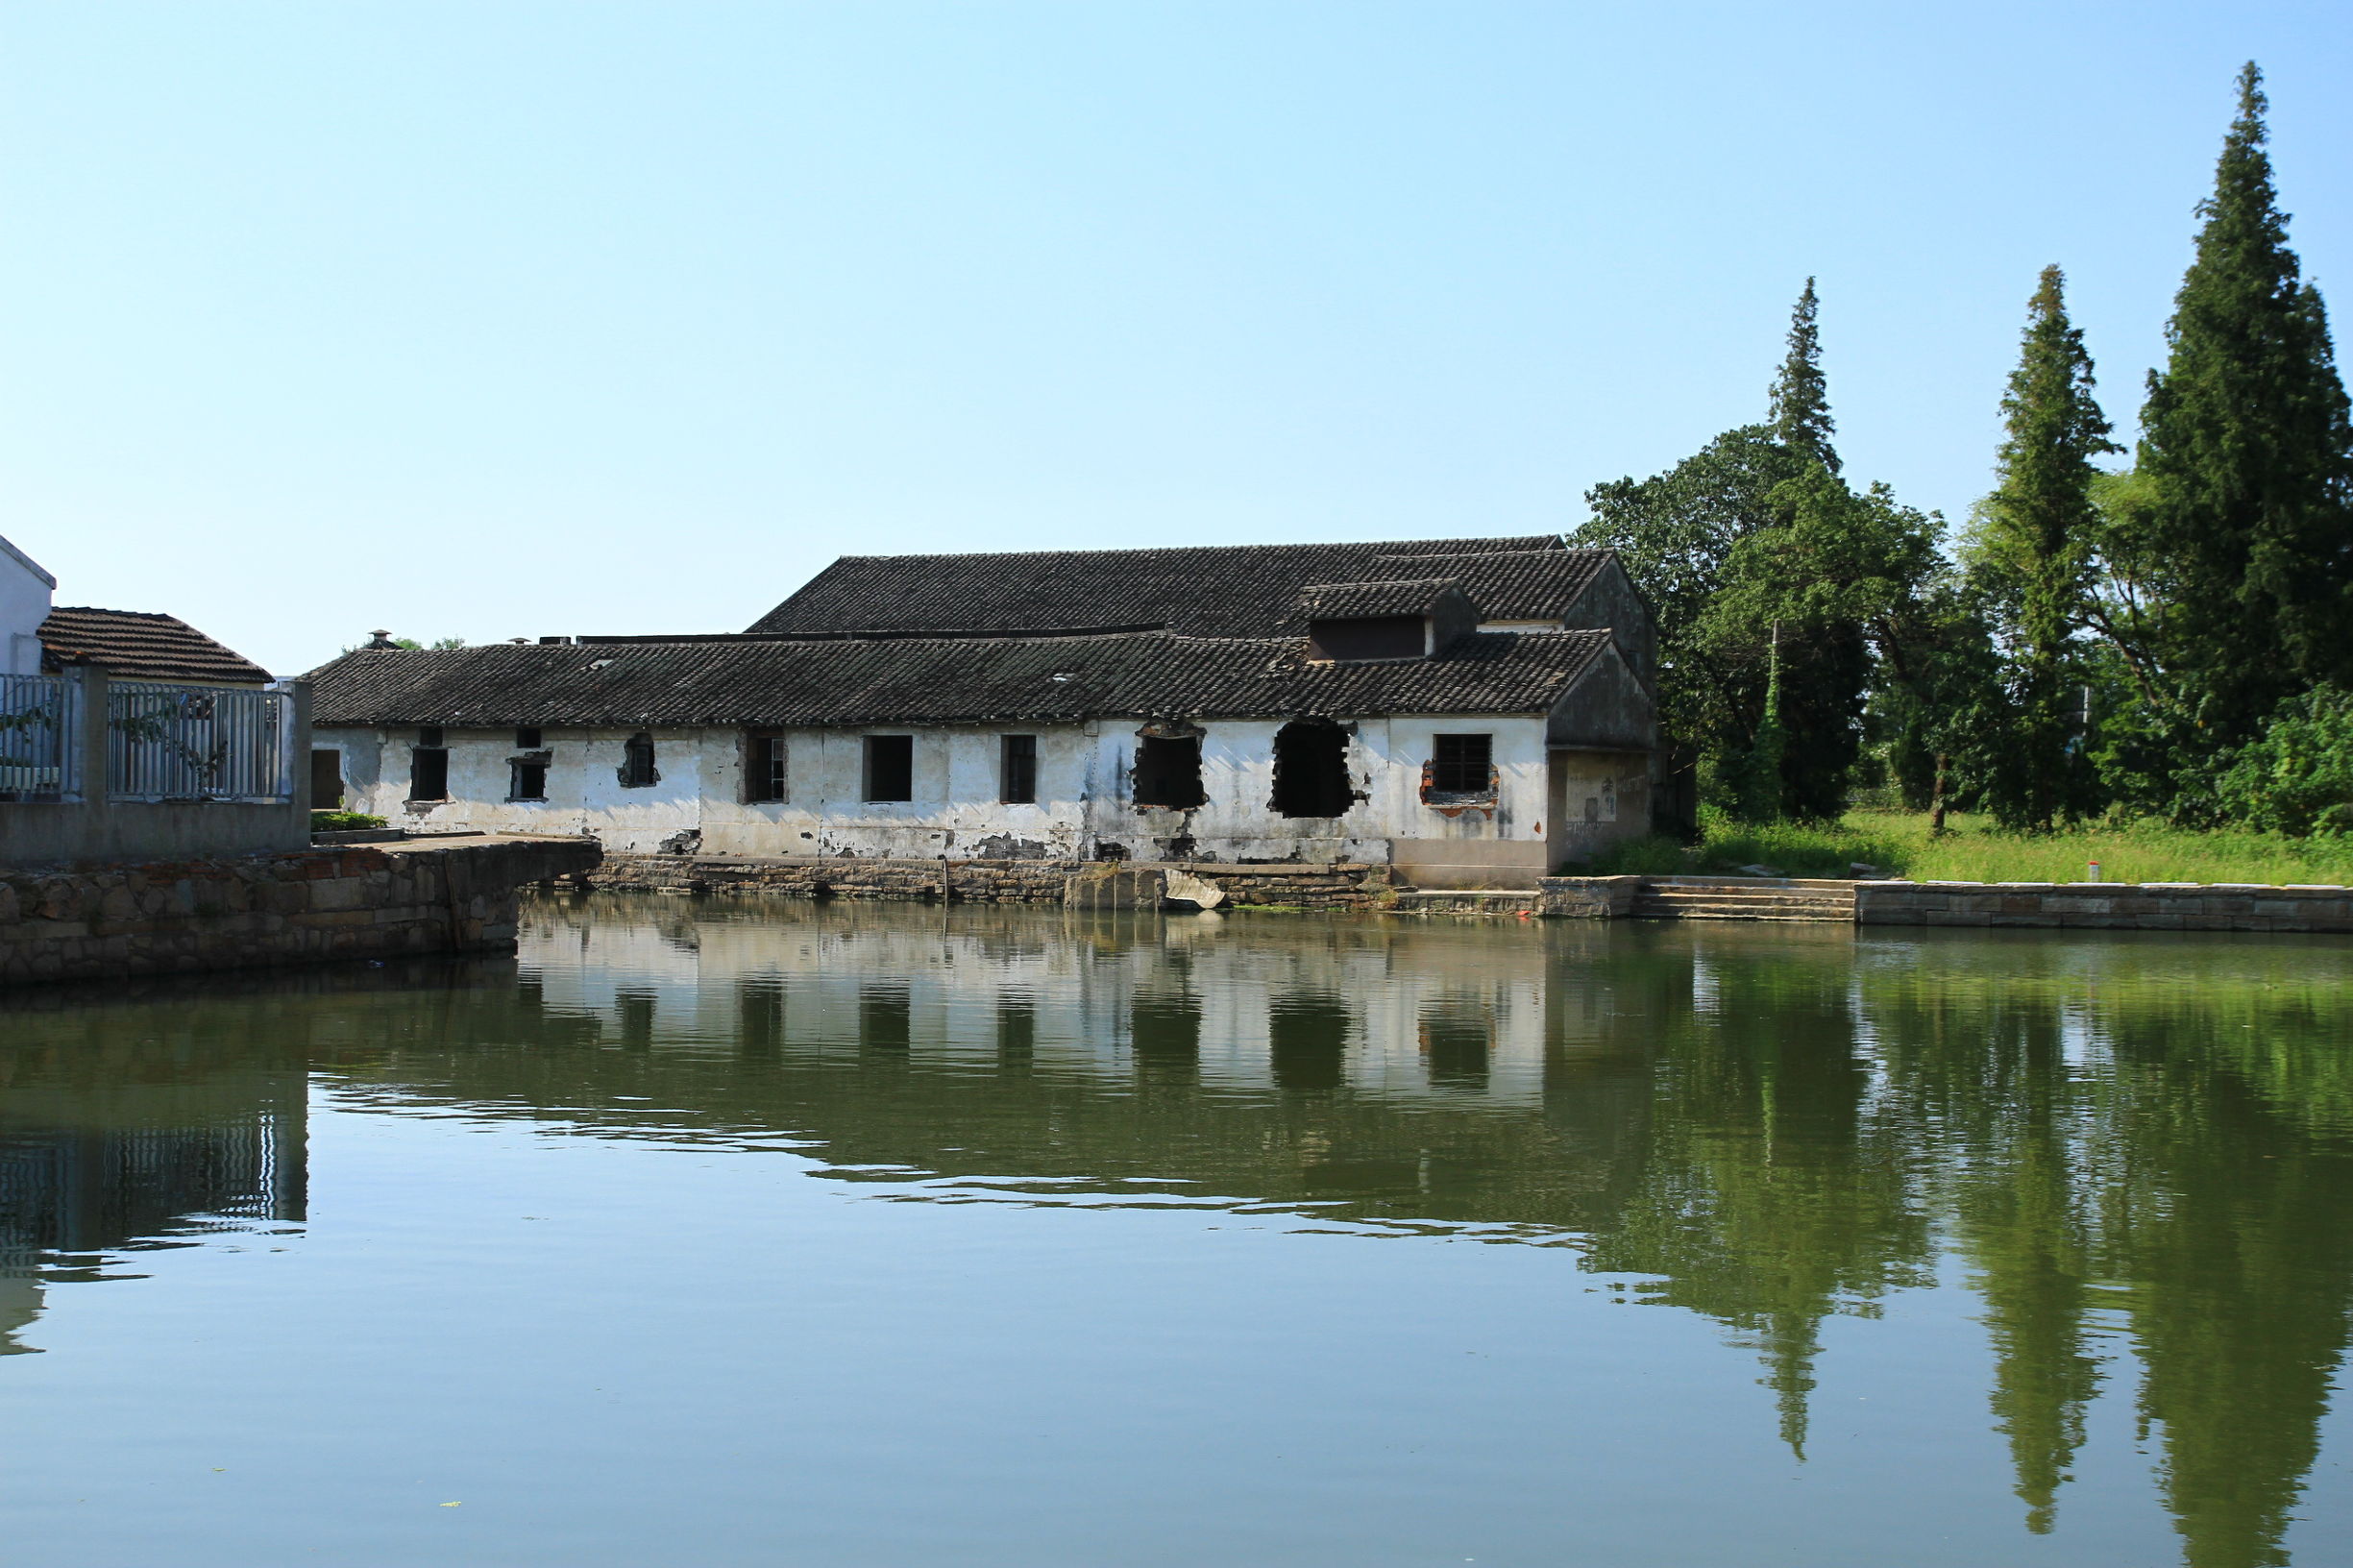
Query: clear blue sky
[495,318]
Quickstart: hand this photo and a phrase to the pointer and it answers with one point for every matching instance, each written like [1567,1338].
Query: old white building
[1469,724]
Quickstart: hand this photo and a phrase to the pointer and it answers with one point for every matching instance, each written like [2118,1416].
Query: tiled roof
[1507,584]
[934,680]
[1207,591]
[1336,601]
[141,647]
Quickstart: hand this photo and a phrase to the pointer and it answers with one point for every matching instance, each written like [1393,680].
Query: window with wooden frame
[765,777]
[1017,769]
[637,769]
[1460,765]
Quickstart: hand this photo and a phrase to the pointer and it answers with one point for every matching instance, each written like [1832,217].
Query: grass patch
[1974,851]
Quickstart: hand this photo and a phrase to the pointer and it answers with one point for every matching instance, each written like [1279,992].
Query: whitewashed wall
[25,590]
[1083,786]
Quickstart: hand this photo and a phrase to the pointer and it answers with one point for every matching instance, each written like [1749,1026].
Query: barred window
[1462,764]
[1017,772]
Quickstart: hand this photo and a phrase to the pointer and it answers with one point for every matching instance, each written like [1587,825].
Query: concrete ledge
[2108,906]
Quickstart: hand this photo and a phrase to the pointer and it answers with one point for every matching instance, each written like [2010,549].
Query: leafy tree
[1832,585]
[2243,527]
[2036,541]
[2297,776]
[1800,408]
[1674,533]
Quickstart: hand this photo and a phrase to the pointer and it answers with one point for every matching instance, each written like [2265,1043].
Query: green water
[710,1233]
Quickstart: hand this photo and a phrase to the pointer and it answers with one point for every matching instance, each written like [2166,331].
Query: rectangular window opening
[1168,771]
[527,738]
[1018,771]
[889,767]
[637,769]
[526,780]
[765,777]
[1463,765]
[428,772]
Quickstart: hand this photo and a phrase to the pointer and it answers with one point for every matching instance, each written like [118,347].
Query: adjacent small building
[1474,713]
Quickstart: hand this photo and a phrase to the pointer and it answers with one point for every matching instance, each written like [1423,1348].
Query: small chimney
[381,638]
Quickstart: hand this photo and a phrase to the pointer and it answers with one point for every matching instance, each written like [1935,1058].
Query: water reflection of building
[2139,1152]
[92,1164]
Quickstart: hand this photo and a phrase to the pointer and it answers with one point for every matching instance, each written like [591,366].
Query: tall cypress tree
[1801,413]
[2041,528]
[2248,456]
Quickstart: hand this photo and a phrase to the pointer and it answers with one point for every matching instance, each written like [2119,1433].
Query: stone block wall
[2110,906]
[1088,883]
[1588,897]
[306,906]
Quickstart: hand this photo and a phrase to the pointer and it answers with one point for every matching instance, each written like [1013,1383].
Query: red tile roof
[140,647]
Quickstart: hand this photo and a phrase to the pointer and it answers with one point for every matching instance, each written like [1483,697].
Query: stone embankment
[2108,906]
[297,907]
[1092,885]
[1084,883]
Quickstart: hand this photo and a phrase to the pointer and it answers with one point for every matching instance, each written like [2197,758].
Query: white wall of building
[25,597]
[1085,797]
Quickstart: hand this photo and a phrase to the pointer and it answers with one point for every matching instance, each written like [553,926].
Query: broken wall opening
[1312,770]
[1168,771]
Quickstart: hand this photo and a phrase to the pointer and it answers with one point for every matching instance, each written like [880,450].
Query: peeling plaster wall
[1084,794]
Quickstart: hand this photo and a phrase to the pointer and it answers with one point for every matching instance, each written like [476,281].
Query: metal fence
[38,721]
[198,742]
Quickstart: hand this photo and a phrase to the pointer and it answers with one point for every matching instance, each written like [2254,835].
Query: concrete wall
[1086,807]
[95,829]
[184,916]
[25,592]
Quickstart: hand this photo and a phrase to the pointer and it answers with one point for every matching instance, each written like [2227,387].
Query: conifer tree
[1800,412]
[2041,529]
[2247,457]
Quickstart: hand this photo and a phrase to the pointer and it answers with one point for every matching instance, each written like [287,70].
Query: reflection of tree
[2239,1250]
[2198,1179]
[2142,1145]
[1770,1200]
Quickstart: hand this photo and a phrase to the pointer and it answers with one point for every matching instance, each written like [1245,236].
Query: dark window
[763,767]
[326,780]
[1018,772]
[889,767]
[429,737]
[526,780]
[527,738]
[1367,637]
[428,772]
[1168,771]
[1463,765]
[1312,770]
[637,770]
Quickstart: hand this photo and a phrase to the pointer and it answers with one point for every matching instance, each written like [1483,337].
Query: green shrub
[2297,778]
[343,822]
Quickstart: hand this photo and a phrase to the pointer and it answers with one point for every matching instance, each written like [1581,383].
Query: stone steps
[1465,901]
[1745,899]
